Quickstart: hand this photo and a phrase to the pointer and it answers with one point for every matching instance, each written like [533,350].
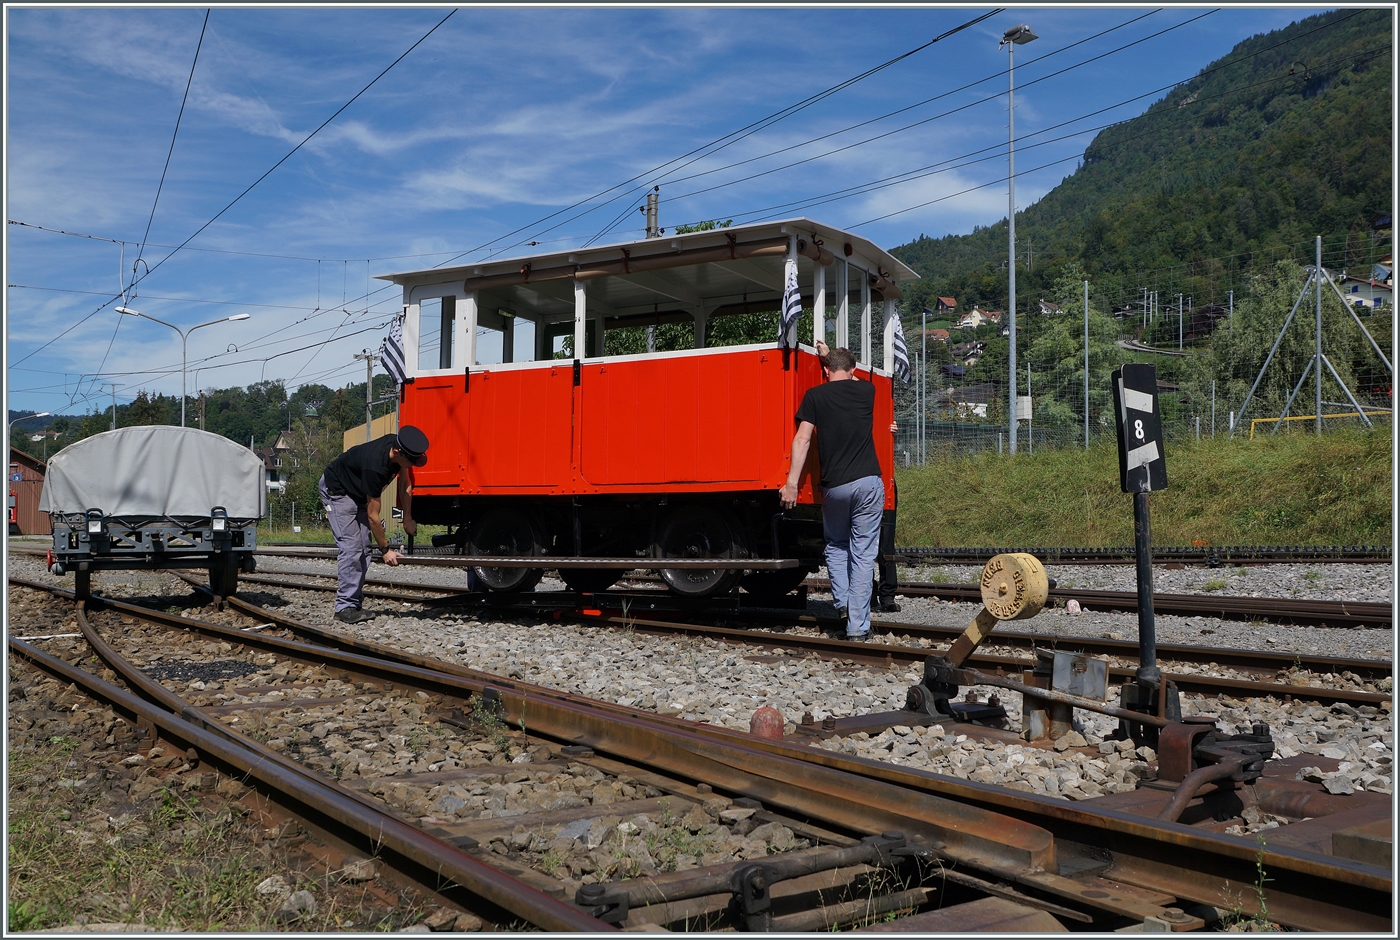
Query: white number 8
[1137,429]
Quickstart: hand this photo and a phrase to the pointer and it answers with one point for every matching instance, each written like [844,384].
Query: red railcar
[538,452]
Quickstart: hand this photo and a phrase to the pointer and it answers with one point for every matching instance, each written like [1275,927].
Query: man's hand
[391,557]
[894,427]
[788,495]
[823,350]
[411,527]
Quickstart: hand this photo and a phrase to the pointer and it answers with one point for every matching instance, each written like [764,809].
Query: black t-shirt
[362,471]
[842,413]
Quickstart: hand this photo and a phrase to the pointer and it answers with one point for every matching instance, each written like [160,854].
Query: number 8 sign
[1142,465]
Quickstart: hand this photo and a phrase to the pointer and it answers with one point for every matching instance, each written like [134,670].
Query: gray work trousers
[851,516]
[349,522]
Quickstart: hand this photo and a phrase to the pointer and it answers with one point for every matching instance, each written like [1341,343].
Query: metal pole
[369,394]
[1317,333]
[923,387]
[1212,408]
[1180,320]
[1086,365]
[184,359]
[1232,310]
[1011,228]
[1147,625]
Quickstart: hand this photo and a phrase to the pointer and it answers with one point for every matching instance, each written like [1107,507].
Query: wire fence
[1234,341]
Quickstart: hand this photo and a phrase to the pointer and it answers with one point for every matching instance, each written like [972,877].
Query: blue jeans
[851,516]
[349,523]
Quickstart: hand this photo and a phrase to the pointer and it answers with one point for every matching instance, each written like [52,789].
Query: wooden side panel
[704,419]
[522,430]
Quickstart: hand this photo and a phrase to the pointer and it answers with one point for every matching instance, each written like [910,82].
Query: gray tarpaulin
[155,470]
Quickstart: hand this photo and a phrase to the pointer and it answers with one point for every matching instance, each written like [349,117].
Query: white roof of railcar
[834,239]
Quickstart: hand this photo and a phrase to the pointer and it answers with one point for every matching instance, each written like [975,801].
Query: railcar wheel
[506,532]
[590,580]
[774,583]
[693,532]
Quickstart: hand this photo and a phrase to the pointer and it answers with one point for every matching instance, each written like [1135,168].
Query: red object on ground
[767,722]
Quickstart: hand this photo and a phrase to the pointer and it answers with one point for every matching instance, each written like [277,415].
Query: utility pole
[1179,319]
[369,357]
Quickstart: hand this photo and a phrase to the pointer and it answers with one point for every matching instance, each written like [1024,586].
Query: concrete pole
[1086,365]
[1011,231]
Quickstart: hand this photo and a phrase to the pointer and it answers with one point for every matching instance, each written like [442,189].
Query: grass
[170,865]
[1291,489]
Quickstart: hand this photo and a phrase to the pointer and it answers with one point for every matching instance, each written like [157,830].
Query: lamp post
[1013,37]
[184,343]
[11,426]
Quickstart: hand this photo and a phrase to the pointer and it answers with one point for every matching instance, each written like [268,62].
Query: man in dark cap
[350,489]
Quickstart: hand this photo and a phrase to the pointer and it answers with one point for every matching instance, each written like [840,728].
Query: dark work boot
[353,615]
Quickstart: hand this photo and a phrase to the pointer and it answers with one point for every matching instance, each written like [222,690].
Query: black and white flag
[901,352]
[392,355]
[792,306]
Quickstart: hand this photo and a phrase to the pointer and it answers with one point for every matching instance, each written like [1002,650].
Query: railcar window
[854,276]
[523,341]
[435,332]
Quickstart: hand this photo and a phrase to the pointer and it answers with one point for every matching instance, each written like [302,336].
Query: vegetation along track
[964,846]
[1257,672]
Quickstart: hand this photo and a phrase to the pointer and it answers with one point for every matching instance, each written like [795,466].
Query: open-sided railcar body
[649,456]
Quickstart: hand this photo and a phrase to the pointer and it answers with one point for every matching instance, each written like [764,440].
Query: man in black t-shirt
[841,413]
[350,490]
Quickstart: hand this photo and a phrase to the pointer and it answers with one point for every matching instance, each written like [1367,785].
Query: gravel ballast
[703,680]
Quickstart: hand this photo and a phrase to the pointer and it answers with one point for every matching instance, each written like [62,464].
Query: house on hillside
[939,335]
[969,352]
[1049,309]
[972,319]
[1367,291]
[993,316]
[273,458]
[945,305]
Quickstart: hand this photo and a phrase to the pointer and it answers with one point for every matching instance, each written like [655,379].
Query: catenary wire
[772,118]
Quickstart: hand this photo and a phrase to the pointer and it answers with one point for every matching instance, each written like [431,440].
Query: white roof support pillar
[580,319]
[843,306]
[410,334]
[818,303]
[887,359]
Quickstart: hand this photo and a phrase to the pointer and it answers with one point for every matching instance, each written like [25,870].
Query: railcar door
[437,405]
[522,428]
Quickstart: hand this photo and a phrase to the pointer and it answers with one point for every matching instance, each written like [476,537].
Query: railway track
[995,848]
[1274,610]
[1000,653]
[1210,556]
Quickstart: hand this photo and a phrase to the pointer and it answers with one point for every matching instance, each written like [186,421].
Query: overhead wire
[720,142]
[250,187]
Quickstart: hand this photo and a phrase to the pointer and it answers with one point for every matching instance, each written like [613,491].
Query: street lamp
[1015,36]
[184,343]
[11,426]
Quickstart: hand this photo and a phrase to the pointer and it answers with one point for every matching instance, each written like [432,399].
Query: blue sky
[500,118]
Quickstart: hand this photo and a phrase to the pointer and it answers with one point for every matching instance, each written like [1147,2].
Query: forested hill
[1286,137]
